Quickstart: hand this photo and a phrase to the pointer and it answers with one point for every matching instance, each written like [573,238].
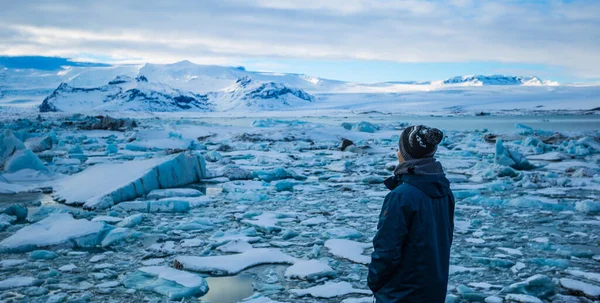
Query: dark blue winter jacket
[411,253]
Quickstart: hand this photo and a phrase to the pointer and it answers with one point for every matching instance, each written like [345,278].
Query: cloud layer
[563,34]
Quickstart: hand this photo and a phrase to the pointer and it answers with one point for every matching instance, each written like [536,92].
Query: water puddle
[229,289]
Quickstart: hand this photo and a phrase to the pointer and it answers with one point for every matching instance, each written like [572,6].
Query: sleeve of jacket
[387,243]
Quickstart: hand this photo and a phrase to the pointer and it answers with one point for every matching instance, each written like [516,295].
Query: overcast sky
[355,40]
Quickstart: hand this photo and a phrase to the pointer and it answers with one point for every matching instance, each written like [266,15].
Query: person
[411,255]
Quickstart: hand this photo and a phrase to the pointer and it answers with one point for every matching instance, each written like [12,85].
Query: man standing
[411,253]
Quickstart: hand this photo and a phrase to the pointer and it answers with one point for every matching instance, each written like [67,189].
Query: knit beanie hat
[419,141]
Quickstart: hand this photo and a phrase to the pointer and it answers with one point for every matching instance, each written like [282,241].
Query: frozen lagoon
[510,225]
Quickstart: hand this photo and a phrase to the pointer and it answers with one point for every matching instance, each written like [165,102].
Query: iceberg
[56,230]
[129,180]
[512,158]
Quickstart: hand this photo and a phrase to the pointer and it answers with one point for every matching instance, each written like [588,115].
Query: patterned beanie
[419,141]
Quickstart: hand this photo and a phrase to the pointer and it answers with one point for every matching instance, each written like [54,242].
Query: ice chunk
[258,298]
[107,219]
[348,249]
[265,222]
[314,221]
[131,221]
[111,149]
[15,210]
[68,268]
[358,300]
[284,185]
[9,144]
[309,270]
[510,158]
[8,188]
[578,287]
[174,192]
[168,205]
[457,269]
[24,159]
[582,274]
[342,233]
[522,298]
[588,206]
[129,180]
[192,242]
[510,251]
[173,283]
[540,286]
[10,263]
[42,255]
[469,294]
[6,221]
[233,264]
[39,144]
[537,203]
[276,174]
[330,290]
[551,156]
[18,281]
[115,236]
[235,246]
[233,172]
[57,229]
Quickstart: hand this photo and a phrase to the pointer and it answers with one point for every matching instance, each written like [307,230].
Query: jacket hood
[434,186]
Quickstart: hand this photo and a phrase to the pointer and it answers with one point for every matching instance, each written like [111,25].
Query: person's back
[411,253]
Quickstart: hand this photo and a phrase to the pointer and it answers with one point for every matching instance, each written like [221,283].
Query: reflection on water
[207,188]
[26,199]
[228,289]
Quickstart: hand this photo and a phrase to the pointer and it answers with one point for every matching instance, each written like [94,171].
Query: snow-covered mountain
[124,94]
[254,95]
[185,86]
[481,80]
[128,94]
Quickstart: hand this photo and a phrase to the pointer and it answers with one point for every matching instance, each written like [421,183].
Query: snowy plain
[275,211]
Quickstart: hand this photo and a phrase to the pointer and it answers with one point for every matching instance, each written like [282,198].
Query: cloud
[563,34]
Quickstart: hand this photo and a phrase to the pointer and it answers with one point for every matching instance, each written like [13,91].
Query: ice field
[202,208]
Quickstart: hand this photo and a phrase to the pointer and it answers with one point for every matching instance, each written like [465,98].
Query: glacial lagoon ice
[282,204]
